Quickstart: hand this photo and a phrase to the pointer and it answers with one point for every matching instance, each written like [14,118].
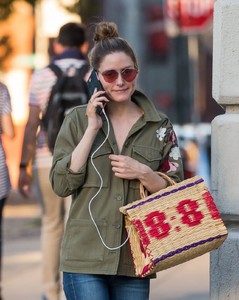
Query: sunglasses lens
[129,74]
[110,76]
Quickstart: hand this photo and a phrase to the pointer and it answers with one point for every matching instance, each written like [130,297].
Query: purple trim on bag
[180,250]
[183,187]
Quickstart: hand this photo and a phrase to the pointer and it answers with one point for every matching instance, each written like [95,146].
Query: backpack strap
[58,72]
[55,69]
[83,70]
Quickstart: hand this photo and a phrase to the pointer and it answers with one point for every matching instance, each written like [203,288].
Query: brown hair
[106,41]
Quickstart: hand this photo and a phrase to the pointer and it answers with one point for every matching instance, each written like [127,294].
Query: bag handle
[144,192]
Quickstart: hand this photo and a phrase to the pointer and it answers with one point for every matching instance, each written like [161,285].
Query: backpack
[70,90]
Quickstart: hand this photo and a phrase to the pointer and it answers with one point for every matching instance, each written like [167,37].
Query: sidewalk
[22,261]
[21,255]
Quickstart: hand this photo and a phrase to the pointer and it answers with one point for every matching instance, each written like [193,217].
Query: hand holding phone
[94,83]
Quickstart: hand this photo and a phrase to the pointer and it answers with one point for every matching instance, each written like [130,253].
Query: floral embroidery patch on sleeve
[172,153]
[168,166]
[172,137]
[161,133]
[175,153]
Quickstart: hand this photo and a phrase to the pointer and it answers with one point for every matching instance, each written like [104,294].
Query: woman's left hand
[127,167]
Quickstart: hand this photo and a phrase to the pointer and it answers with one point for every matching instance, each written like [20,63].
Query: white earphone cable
[101,184]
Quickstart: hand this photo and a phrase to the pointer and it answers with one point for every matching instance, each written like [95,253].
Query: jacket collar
[150,112]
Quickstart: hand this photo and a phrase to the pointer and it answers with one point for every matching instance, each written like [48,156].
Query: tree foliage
[90,9]
[87,9]
[6,8]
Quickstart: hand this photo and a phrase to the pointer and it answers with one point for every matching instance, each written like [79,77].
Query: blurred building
[175,69]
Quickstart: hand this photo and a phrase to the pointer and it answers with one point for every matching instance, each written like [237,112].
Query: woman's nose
[120,79]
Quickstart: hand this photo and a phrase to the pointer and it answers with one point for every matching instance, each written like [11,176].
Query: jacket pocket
[82,242]
[149,156]
[102,164]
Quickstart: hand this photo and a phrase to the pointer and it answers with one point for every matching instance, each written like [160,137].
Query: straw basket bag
[173,225]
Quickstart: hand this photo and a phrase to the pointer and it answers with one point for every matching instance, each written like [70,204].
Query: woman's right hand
[96,103]
[81,153]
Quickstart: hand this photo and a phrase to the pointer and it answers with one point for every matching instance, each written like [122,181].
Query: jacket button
[119,198]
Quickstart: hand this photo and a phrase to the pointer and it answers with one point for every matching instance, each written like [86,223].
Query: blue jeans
[104,287]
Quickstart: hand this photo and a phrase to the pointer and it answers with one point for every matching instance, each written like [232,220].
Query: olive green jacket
[151,141]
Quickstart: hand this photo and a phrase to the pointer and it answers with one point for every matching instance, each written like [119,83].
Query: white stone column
[224,262]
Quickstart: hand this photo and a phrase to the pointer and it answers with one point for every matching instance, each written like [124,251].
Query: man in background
[70,48]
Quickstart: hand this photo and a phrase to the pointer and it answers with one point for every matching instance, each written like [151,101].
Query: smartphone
[92,83]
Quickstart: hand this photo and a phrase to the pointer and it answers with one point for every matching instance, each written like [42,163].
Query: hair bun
[105,30]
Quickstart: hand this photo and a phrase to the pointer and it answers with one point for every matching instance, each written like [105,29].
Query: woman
[100,159]
[6,128]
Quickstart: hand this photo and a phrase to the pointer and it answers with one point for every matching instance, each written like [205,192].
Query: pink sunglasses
[128,74]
